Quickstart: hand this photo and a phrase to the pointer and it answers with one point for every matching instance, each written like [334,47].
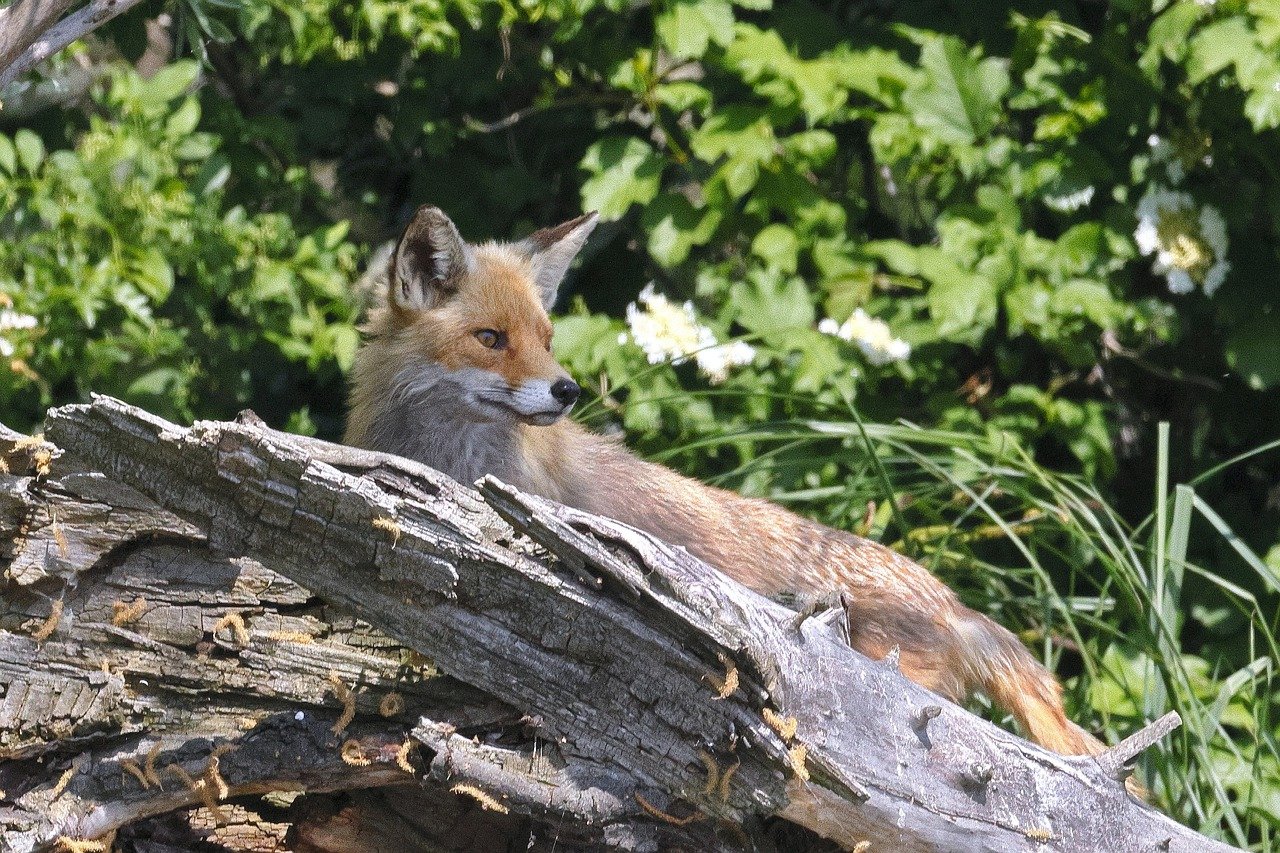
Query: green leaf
[155,383]
[1226,42]
[687,27]
[197,146]
[764,60]
[1168,35]
[1254,352]
[896,255]
[173,80]
[821,360]
[1233,42]
[758,54]
[8,155]
[778,246]
[582,342]
[183,120]
[960,302]
[1262,107]
[272,282]
[1085,298]
[333,236]
[151,273]
[875,72]
[739,174]
[346,340]
[170,82]
[1028,307]
[814,147]
[682,95]
[770,303]
[959,98]
[30,150]
[625,171]
[848,290]
[1085,247]
[675,226]
[740,131]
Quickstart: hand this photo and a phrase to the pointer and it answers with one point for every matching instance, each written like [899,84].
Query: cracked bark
[580,709]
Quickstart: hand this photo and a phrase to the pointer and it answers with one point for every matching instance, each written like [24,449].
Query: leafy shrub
[144,284]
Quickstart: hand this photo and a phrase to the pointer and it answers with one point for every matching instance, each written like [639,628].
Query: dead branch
[31,32]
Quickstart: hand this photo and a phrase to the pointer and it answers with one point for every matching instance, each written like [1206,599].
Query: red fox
[457,373]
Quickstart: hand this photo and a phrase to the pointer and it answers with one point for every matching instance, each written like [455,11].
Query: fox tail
[1001,666]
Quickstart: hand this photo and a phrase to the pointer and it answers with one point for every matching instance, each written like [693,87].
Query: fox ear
[551,250]
[428,261]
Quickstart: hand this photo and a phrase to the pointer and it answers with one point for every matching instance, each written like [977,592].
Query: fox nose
[566,391]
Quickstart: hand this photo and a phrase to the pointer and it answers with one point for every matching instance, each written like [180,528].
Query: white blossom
[871,335]
[1189,241]
[670,332]
[9,320]
[716,361]
[664,330]
[1069,202]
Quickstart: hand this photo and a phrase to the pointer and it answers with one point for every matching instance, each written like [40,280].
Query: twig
[667,817]
[520,115]
[1117,762]
[1111,344]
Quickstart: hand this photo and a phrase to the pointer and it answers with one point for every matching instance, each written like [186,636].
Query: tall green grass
[1105,602]
[1122,607]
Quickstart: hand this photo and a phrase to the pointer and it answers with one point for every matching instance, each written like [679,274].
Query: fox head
[469,323]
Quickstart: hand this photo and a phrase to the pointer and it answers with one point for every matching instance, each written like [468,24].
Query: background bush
[1067,212]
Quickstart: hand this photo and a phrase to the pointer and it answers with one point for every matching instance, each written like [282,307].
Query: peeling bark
[585,664]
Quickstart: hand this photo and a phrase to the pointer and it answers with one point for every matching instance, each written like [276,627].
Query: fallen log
[603,689]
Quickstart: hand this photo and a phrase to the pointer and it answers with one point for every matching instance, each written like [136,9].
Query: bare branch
[1117,762]
[50,40]
[22,22]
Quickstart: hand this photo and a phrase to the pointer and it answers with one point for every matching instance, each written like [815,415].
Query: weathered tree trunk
[276,628]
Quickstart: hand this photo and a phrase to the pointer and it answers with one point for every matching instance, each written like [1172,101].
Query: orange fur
[942,644]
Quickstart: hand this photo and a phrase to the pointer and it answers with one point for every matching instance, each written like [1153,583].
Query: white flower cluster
[1070,202]
[10,319]
[1189,241]
[670,332]
[872,336]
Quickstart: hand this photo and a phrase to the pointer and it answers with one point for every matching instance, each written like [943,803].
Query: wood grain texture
[604,648]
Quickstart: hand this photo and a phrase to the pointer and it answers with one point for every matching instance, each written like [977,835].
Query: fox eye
[491,338]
